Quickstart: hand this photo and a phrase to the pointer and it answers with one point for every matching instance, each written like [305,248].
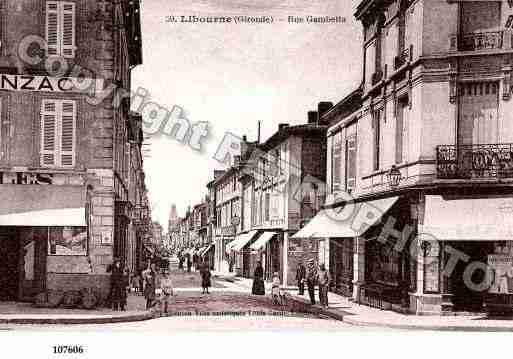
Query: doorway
[9,265]
[466,299]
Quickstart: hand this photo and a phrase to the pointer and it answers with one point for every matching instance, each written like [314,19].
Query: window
[376,125]
[58,127]
[67,241]
[350,163]
[267,205]
[400,129]
[336,161]
[60,29]
[401,27]
[378,44]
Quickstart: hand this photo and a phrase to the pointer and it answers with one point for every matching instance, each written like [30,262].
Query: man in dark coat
[117,285]
[258,280]
[300,278]
[311,280]
[189,263]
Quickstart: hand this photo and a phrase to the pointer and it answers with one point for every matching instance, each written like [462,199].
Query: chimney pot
[312,117]
[323,107]
[281,126]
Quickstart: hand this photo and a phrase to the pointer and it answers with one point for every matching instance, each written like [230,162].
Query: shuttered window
[350,163]
[336,161]
[376,124]
[58,133]
[60,29]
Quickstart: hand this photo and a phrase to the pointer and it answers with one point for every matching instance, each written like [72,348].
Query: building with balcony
[65,197]
[418,173]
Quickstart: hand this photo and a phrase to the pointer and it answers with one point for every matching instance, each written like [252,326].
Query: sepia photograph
[322,171]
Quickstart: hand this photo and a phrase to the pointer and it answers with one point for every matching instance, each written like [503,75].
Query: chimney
[282,126]
[244,146]
[312,117]
[322,108]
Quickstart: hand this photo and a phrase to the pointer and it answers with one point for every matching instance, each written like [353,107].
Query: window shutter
[52,28]
[336,161]
[351,163]
[68,29]
[68,134]
[48,133]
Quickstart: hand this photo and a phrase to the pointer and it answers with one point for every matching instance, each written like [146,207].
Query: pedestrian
[195,261]
[189,263]
[231,263]
[275,289]
[258,280]
[136,284]
[300,278]
[205,277]
[311,279]
[125,283]
[150,286]
[166,285]
[117,284]
[323,278]
[180,261]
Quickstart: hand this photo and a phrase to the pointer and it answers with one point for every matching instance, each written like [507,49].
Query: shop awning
[469,219]
[244,239]
[262,240]
[350,221]
[42,205]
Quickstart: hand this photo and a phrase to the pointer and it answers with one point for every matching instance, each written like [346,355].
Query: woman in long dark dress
[205,277]
[258,280]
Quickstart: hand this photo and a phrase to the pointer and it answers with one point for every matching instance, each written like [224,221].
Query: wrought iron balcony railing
[474,161]
[481,41]
[376,77]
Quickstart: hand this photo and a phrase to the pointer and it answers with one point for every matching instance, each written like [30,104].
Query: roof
[346,106]
[288,131]
[364,7]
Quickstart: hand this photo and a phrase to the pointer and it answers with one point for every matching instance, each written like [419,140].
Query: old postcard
[336,166]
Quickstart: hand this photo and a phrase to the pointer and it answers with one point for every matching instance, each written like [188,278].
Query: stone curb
[77,320]
[349,319]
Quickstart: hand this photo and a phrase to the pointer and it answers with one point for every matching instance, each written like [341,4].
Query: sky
[233,76]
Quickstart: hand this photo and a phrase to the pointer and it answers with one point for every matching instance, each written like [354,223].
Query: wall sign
[46,84]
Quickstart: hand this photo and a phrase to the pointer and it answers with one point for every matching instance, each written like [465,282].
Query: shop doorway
[9,265]
[466,299]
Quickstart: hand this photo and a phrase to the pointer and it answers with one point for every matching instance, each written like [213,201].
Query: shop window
[383,264]
[431,266]
[67,241]
[60,29]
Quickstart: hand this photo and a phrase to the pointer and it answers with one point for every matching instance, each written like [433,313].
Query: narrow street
[229,307]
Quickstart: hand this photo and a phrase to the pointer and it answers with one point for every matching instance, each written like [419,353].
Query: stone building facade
[419,172]
[65,155]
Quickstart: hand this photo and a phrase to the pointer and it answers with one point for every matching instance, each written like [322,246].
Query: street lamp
[394,176]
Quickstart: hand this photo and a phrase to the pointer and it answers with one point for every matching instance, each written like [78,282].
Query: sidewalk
[25,313]
[341,308]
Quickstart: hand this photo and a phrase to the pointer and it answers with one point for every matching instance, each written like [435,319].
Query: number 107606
[68,349]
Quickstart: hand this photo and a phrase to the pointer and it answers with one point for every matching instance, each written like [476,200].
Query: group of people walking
[309,276]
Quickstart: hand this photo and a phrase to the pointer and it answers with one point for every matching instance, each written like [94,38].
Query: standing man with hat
[311,280]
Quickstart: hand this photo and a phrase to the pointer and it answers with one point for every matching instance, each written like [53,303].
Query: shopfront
[43,237]
[468,257]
